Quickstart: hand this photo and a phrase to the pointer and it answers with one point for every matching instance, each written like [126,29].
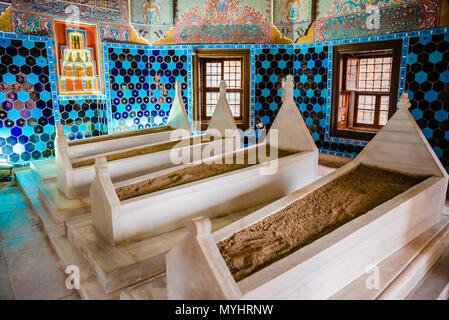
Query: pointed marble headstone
[61,145]
[178,118]
[61,137]
[400,145]
[293,133]
[222,118]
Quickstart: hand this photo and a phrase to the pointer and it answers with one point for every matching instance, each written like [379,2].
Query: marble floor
[28,266]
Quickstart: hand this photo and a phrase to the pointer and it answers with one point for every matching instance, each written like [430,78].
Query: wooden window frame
[378,96]
[207,89]
[199,93]
[370,49]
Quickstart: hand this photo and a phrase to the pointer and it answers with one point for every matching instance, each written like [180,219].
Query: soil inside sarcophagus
[311,217]
[194,173]
[121,135]
[138,151]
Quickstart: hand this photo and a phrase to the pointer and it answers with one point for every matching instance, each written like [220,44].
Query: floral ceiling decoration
[221,21]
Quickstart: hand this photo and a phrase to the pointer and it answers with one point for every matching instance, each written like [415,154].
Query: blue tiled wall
[142,85]
[424,75]
[83,118]
[271,66]
[26,108]
[139,90]
[427,83]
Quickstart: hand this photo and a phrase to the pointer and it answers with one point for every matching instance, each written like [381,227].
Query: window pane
[211,102]
[233,74]
[351,74]
[367,102]
[213,74]
[384,106]
[365,117]
[375,74]
[366,109]
[383,118]
[384,103]
[234,102]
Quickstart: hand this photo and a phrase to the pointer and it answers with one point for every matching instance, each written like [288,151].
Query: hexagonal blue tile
[412,58]
[126,64]
[28,131]
[73,114]
[435,57]
[310,64]
[83,128]
[45,95]
[119,79]
[41,62]
[48,129]
[444,76]
[9,78]
[14,114]
[127,93]
[32,78]
[417,113]
[171,65]
[164,80]
[4,132]
[265,92]
[265,120]
[156,66]
[441,115]
[24,96]
[281,92]
[157,93]
[18,60]
[425,39]
[431,96]
[420,77]
[40,146]
[296,93]
[428,133]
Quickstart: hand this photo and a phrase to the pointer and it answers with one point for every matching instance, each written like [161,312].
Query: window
[212,66]
[369,80]
[223,69]
[365,88]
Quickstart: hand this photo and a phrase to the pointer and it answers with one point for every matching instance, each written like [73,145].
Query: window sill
[363,134]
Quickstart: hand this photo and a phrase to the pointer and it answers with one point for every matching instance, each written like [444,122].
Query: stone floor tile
[33,271]
[14,224]
[6,292]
